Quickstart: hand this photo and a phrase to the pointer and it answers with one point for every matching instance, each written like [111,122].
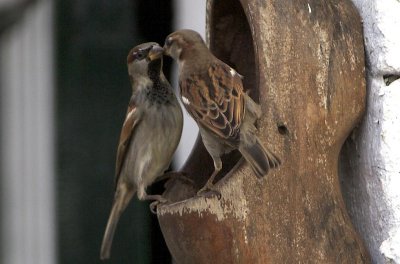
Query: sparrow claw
[209,193]
[153,205]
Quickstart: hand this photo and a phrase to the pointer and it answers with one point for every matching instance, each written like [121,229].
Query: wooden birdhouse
[303,61]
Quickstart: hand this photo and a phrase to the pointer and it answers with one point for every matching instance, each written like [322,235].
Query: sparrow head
[183,43]
[145,57]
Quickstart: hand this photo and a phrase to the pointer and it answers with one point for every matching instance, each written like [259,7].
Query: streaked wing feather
[216,100]
[128,127]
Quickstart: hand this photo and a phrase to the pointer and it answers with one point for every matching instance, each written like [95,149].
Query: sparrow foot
[158,200]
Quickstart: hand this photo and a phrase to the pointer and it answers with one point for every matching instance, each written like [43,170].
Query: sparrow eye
[139,55]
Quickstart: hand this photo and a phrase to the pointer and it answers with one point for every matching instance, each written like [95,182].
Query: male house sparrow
[150,134]
[212,93]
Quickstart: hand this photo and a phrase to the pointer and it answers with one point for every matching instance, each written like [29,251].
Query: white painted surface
[382,36]
[372,188]
[27,182]
[190,14]
[390,177]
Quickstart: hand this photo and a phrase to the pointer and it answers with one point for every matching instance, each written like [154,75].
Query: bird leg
[157,202]
[207,189]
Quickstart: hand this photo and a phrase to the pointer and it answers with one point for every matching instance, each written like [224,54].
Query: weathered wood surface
[304,61]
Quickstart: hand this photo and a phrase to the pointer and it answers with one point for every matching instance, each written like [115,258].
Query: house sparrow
[150,134]
[212,93]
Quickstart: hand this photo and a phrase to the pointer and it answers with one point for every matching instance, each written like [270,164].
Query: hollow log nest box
[303,61]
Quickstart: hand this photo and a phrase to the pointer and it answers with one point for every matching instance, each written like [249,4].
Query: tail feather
[259,158]
[122,197]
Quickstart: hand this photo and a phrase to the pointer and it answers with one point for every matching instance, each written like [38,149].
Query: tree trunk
[304,62]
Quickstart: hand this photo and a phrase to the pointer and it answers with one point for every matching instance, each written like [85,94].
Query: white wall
[27,176]
[188,14]
[372,188]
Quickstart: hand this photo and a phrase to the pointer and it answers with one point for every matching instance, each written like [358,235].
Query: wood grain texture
[304,62]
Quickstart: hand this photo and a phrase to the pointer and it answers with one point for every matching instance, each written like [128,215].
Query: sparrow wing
[131,120]
[215,100]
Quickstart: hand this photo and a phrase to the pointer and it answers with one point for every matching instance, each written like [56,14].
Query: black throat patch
[160,92]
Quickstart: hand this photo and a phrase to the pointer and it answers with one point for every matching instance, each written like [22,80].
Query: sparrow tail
[122,197]
[259,158]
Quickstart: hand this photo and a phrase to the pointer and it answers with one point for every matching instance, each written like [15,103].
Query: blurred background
[64,90]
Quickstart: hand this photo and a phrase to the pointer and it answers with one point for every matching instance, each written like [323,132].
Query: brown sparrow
[212,93]
[150,134]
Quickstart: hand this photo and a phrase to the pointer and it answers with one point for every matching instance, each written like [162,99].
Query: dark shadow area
[93,91]
[232,42]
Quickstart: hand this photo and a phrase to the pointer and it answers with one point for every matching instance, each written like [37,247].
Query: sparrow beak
[156,52]
[167,46]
